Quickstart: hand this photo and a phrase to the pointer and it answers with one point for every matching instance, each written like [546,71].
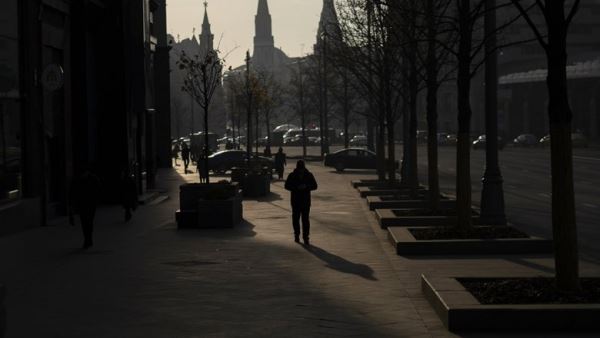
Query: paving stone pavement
[147,279]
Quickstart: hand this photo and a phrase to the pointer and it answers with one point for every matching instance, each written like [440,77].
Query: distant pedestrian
[185,155]
[129,195]
[85,193]
[280,162]
[267,152]
[175,153]
[301,182]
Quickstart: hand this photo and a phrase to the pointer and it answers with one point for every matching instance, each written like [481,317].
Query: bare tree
[552,34]
[203,77]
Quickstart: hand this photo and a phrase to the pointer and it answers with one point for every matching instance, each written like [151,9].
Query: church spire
[206,36]
[329,24]
[264,44]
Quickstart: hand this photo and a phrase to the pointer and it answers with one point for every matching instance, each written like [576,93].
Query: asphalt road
[527,188]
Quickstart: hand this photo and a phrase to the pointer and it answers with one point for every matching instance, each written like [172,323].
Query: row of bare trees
[394,49]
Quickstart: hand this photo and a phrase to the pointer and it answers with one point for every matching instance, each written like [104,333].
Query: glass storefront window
[10,117]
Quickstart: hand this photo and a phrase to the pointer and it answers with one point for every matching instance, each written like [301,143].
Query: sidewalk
[147,279]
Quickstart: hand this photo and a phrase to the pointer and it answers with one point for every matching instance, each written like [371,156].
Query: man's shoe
[306,242]
[297,239]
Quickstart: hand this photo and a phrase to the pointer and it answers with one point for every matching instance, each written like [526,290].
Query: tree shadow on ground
[340,264]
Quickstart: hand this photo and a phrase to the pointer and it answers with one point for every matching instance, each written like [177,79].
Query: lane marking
[590,205]
[544,195]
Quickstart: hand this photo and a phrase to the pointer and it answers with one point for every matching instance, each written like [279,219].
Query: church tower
[264,44]
[329,25]
[206,36]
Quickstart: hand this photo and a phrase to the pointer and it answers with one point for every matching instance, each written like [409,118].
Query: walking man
[301,182]
[185,155]
[85,192]
[129,196]
[280,162]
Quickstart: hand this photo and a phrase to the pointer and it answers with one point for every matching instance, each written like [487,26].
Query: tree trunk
[564,224]
[380,145]
[432,113]
[268,125]
[463,148]
[413,169]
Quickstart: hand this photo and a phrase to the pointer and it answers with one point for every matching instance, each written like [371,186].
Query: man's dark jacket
[301,197]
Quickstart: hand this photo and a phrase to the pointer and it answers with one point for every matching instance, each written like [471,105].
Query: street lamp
[492,194]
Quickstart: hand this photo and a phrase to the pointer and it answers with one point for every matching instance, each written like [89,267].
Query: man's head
[300,165]
[280,150]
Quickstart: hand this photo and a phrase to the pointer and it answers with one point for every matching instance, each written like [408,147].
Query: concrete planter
[390,202]
[460,311]
[238,174]
[388,191]
[256,185]
[387,218]
[406,244]
[215,205]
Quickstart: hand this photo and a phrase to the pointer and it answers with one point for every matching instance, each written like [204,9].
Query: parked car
[525,140]
[285,128]
[577,140]
[352,158]
[222,161]
[358,141]
[480,142]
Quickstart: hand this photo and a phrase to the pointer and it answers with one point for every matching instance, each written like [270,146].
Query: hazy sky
[232,21]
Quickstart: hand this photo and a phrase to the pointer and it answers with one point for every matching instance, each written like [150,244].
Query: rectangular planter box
[387,218]
[377,202]
[220,213]
[368,183]
[189,194]
[214,205]
[386,191]
[406,244]
[256,185]
[212,214]
[460,311]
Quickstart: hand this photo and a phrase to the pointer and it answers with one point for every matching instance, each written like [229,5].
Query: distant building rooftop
[580,70]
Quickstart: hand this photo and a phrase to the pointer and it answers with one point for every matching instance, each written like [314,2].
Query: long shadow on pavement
[340,264]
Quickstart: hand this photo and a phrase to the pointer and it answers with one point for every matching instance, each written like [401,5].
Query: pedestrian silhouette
[128,194]
[301,182]
[280,162]
[185,155]
[85,192]
[175,153]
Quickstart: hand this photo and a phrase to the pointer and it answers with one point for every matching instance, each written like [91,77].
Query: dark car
[223,161]
[480,142]
[351,158]
[526,140]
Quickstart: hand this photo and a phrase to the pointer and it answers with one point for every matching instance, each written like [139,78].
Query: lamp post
[492,194]
[249,111]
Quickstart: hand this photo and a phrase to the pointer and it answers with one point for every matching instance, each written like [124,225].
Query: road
[527,188]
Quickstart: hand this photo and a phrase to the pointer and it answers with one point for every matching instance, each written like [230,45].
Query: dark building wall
[102,115]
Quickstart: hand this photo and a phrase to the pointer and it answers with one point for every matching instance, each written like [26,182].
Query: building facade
[86,89]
